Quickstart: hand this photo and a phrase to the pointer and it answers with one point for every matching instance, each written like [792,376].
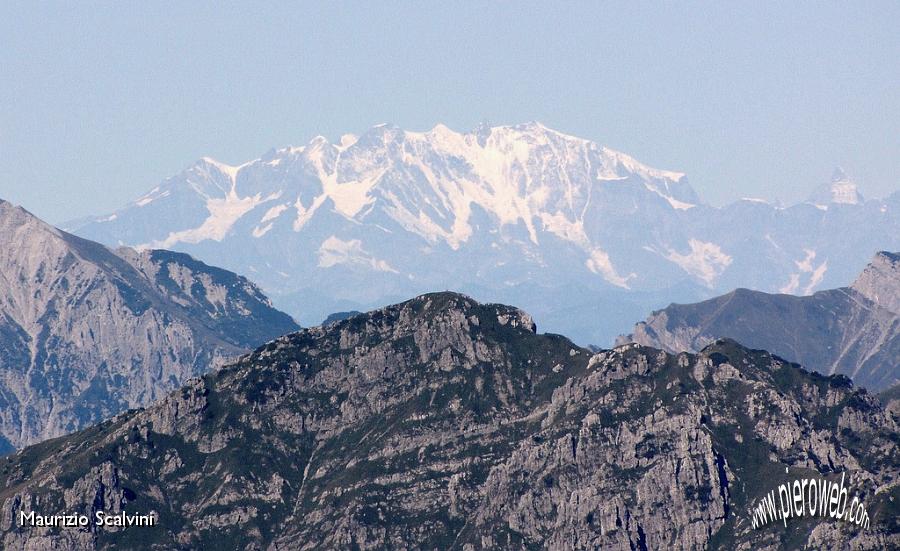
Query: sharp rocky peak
[16,216]
[880,281]
[86,331]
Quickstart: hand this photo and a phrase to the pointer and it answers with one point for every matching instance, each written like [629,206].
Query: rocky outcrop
[441,423]
[854,331]
[87,332]
[880,281]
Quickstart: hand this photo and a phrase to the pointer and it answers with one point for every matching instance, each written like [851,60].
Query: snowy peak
[840,190]
[359,220]
[427,183]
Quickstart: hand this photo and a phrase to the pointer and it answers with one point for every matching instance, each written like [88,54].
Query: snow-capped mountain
[585,237]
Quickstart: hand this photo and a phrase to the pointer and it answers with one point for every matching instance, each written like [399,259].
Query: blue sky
[99,103]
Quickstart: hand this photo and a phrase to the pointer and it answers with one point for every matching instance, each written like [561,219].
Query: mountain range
[442,423]
[87,332]
[854,331]
[521,214]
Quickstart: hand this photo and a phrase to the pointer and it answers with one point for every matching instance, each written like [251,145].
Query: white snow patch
[261,231]
[633,165]
[816,277]
[334,251]
[600,263]
[228,170]
[349,197]
[680,205]
[806,266]
[274,212]
[347,140]
[151,196]
[223,213]
[559,225]
[304,214]
[675,203]
[792,285]
[705,261]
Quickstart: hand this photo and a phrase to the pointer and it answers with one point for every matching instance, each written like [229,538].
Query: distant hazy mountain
[340,316]
[585,237]
[840,190]
[852,330]
[441,423]
[87,332]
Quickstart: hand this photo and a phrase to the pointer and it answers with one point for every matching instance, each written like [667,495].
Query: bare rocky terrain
[87,332]
[854,331]
[442,423]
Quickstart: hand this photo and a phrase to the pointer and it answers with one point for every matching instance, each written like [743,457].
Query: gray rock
[87,332]
[853,331]
[441,423]
[880,281]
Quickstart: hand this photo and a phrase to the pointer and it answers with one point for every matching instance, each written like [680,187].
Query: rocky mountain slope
[87,332]
[521,214]
[852,330]
[441,423]
[880,281]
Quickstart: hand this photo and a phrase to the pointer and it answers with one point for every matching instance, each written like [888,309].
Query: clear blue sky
[100,102]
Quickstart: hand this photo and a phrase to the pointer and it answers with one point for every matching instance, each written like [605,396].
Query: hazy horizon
[101,105]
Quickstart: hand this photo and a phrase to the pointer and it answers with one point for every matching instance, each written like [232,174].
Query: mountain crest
[880,281]
[86,331]
[858,336]
[840,190]
[516,212]
[432,424]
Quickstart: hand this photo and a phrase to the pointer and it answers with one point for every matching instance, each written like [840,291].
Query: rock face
[441,423]
[880,281]
[854,331]
[525,215]
[87,332]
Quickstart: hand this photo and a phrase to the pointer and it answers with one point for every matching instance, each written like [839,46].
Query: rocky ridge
[854,331]
[441,423]
[87,332]
[880,281]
